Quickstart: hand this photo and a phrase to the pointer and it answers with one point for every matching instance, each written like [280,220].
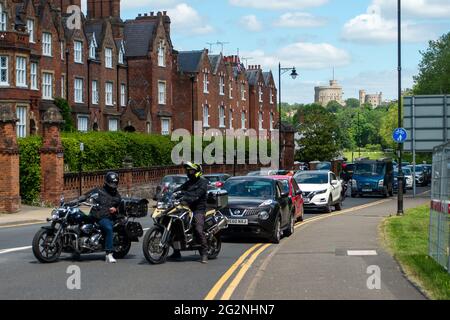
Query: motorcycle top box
[217,199]
[133,207]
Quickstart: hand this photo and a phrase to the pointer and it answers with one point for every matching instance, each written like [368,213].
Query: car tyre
[338,206]
[276,235]
[328,208]
[291,227]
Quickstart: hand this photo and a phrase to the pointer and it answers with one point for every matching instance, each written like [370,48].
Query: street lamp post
[400,145]
[294,75]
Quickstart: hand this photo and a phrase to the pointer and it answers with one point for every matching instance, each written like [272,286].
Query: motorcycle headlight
[354,183]
[264,215]
[161,205]
[381,183]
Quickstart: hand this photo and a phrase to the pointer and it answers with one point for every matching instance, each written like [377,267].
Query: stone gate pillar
[52,157]
[9,162]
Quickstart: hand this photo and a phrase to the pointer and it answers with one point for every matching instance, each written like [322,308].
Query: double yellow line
[255,251]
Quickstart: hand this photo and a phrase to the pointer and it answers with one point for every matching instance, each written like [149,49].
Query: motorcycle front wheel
[122,248]
[154,251]
[215,245]
[42,248]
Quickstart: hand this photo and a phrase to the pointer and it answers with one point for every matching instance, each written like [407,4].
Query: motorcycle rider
[194,194]
[108,200]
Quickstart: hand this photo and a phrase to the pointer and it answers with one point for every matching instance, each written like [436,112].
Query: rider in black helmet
[194,193]
[108,201]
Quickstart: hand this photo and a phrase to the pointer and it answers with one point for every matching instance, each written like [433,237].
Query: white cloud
[277,4]
[373,28]
[251,23]
[187,20]
[303,55]
[416,8]
[299,20]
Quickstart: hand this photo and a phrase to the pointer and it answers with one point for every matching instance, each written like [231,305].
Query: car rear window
[258,189]
[311,178]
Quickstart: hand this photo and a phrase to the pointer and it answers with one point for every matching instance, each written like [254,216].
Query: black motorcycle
[73,231]
[173,227]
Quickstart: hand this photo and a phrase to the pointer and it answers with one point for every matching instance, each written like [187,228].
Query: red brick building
[121,75]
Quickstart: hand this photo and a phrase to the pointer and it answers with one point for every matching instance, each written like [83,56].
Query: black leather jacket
[194,193]
[106,199]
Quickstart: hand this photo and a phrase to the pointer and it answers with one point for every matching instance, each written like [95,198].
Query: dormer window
[121,53]
[260,93]
[30,29]
[78,48]
[108,58]
[161,55]
[93,48]
[271,95]
[3,18]
[222,85]
[205,83]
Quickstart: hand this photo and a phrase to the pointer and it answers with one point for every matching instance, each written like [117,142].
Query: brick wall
[142,182]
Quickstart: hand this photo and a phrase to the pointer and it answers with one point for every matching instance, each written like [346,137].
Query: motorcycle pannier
[134,208]
[217,199]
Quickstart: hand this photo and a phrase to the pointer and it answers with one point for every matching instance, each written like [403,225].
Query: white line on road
[14,249]
[362,253]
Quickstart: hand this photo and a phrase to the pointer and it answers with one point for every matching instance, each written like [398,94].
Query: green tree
[334,106]
[318,134]
[388,124]
[352,103]
[434,69]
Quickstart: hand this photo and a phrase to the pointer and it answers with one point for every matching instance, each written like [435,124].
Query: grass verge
[407,239]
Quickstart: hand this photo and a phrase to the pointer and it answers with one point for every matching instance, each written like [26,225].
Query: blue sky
[356,37]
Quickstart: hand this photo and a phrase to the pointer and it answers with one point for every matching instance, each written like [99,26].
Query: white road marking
[14,249]
[362,253]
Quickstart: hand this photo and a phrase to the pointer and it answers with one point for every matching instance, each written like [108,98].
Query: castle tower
[362,97]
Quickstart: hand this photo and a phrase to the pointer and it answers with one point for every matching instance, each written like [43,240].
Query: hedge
[102,151]
[107,150]
[30,169]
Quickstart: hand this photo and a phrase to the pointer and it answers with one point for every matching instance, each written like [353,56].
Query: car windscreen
[324,166]
[407,171]
[369,169]
[174,180]
[312,178]
[419,169]
[258,189]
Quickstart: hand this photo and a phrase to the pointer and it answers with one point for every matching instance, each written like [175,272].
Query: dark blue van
[373,177]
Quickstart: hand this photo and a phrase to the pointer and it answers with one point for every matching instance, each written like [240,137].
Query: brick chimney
[99,9]
[64,4]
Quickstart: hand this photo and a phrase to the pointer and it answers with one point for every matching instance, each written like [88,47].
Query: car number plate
[306,201]
[367,190]
[238,222]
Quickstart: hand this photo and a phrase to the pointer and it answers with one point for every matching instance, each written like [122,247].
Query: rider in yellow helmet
[194,194]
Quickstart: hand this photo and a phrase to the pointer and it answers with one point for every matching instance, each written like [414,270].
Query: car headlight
[264,215]
[381,183]
[321,191]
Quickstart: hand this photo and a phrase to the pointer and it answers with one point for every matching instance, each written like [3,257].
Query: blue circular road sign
[400,135]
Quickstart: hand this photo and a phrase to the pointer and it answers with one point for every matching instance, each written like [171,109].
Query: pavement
[334,259]
[27,215]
